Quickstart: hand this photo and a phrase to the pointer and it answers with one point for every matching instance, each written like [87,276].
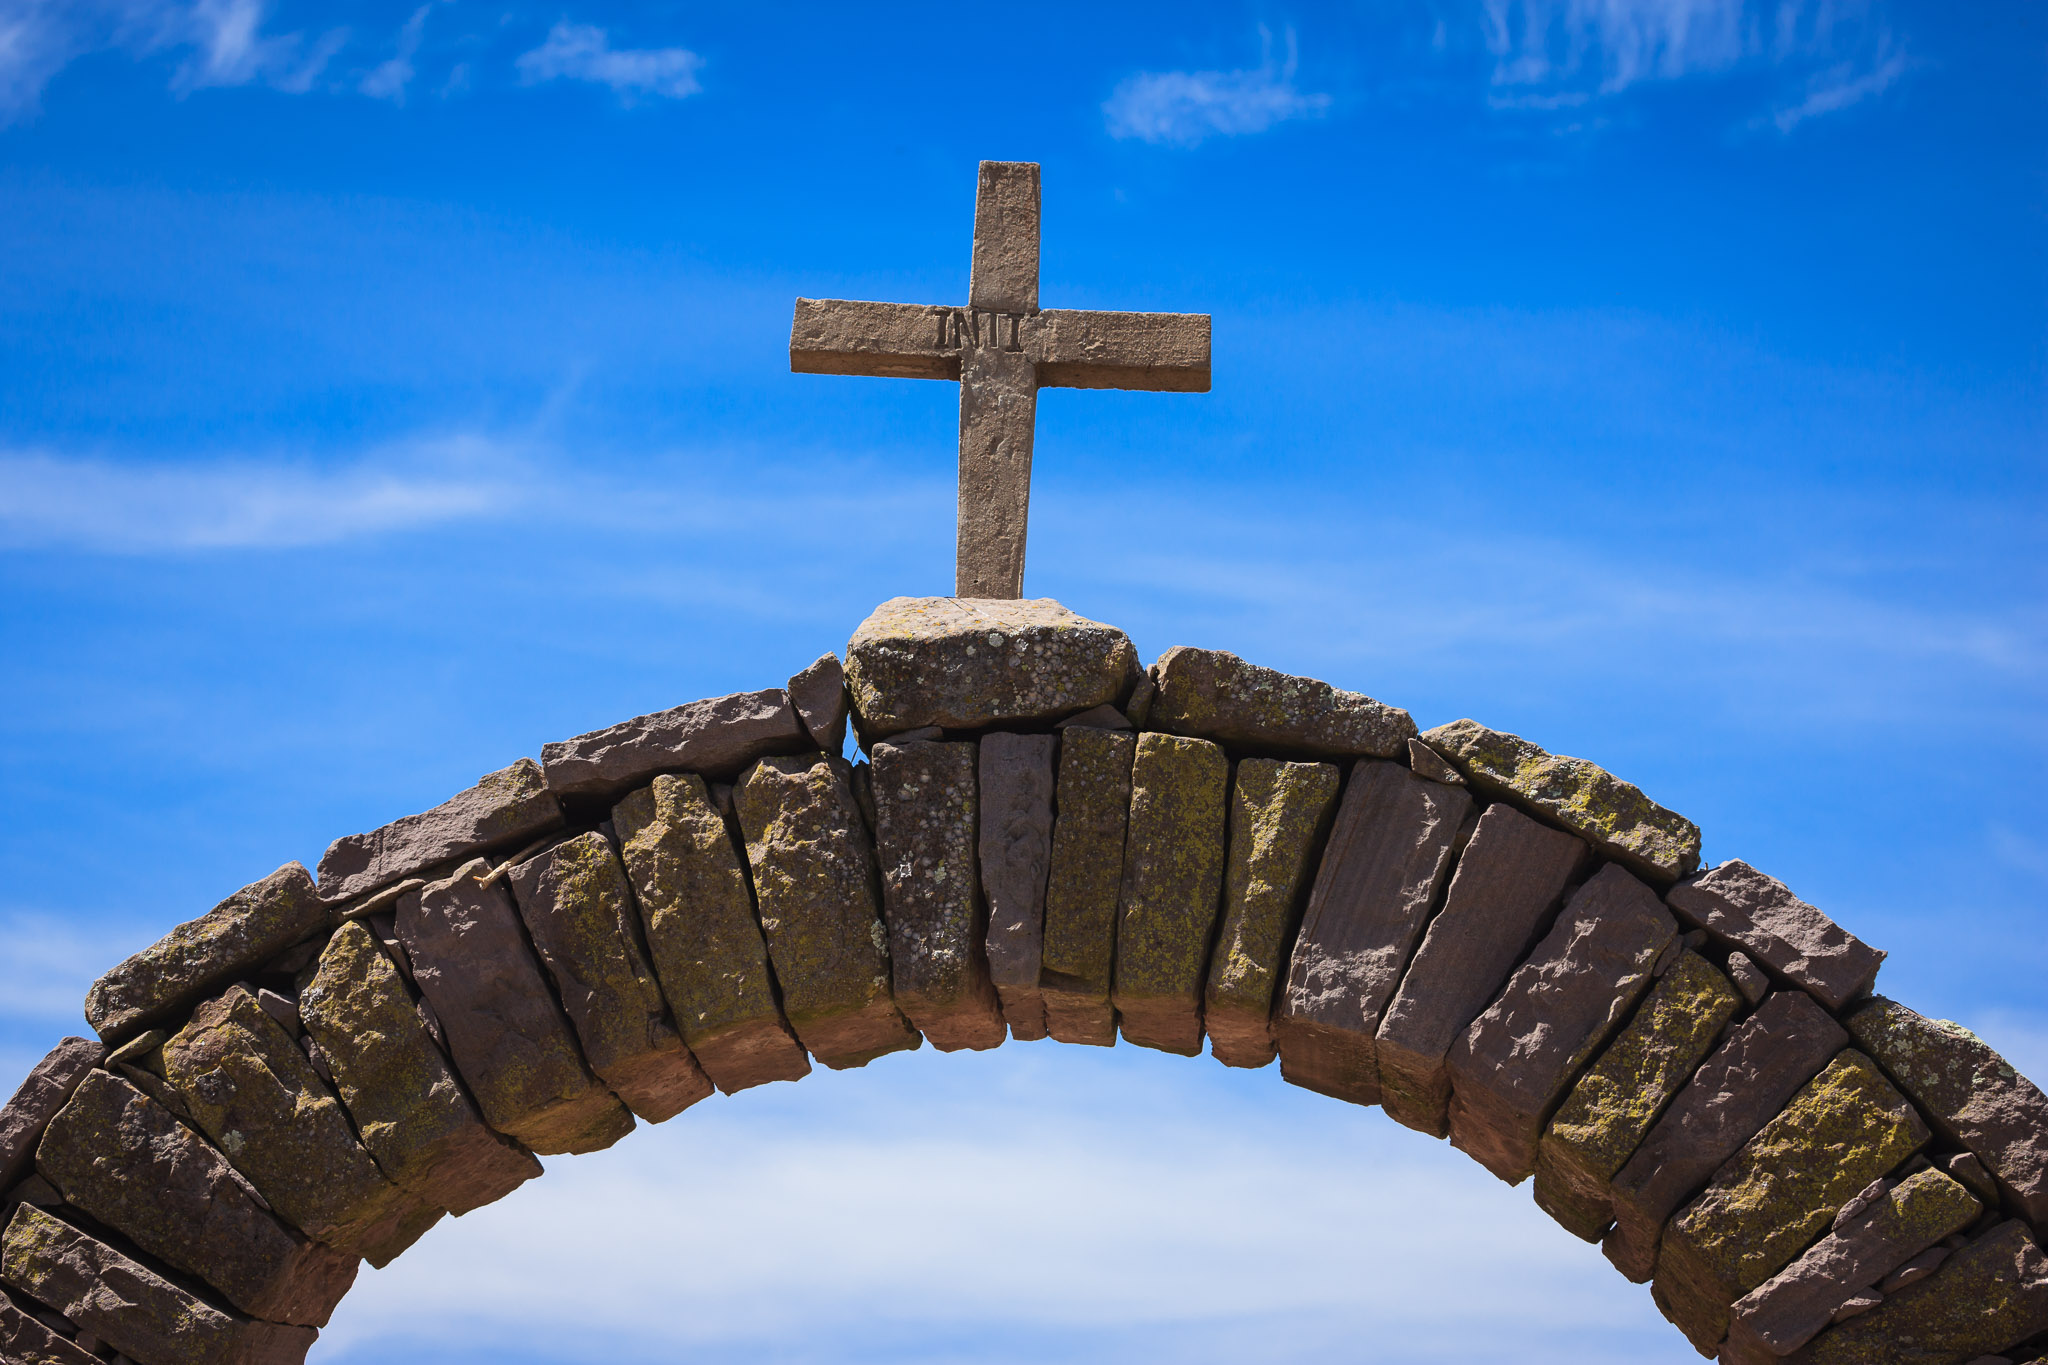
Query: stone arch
[1510,949]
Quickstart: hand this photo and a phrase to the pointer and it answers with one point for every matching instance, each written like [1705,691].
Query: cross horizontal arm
[842,336]
[1085,349]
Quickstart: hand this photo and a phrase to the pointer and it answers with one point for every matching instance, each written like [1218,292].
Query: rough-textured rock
[131,1308]
[407,1105]
[925,831]
[1609,1111]
[1212,694]
[1424,761]
[1760,915]
[1279,814]
[125,1160]
[1088,833]
[1016,774]
[1741,1087]
[503,811]
[1902,1220]
[1389,855]
[814,875]
[716,738]
[965,663]
[1103,717]
[1508,881]
[25,1341]
[1612,815]
[1172,890]
[511,1044]
[702,935]
[1989,1296]
[1844,1129]
[819,696]
[1516,1061]
[37,1100]
[1748,977]
[584,925]
[1973,1096]
[200,956]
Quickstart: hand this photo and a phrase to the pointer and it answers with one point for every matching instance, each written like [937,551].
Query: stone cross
[1003,349]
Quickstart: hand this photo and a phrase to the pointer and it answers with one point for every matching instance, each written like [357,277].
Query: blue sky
[388,390]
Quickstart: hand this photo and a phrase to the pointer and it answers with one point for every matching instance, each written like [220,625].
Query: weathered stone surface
[1746,1083]
[1279,814]
[1016,774]
[814,875]
[1508,881]
[1844,1129]
[716,738]
[1212,694]
[124,1159]
[1514,1064]
[965,663]
[408,1107]
[1760,915]
[1103,717]
[200,956]
[1972,1095]
[702,935]
[130,1307]
[25,1341]
[1613,1105]
[1094,804]
[1424,761]
[584,925]
[1991,1295]
[1172,890]
[925,831]
[509,1039]
[1903,1219]
[1612,815]
[1748,977]
[819,696]
[36,1101]
[504,810]
[1389,855]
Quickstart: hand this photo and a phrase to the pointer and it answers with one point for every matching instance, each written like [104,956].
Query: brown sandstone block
[1513,1065]
[130,1307]
[1172,890]
[1389,855]
[925,833]
[1759,914]
[25,1341]
[1989,1296]
[819,696]
[46,1090]
[1016,774]
[1508,881]
[702,935]
[717,738]
[509,1039]
[1213,694]
[1081,890]
[1744,1085]
[200,956]
[1279,814]
[814,876]
[403,1096]
[1610,1110]
[503,811]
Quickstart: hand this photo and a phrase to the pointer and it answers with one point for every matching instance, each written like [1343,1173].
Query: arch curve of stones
[1512,949]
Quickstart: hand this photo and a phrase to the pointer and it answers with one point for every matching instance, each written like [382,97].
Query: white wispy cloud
[228,47]
[1838,87]
[583,52]
[388,79]
[1183,108]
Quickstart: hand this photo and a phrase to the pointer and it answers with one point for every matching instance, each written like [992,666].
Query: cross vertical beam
[998,388]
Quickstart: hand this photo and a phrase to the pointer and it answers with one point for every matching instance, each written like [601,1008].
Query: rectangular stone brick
[716,738]
[1279,815]
[820,699]
[1172,890]
[1760,915]
[814,875]
[1212,694]
[705,943]
[46,1090]
[503,811]
[1509,880]
[26,1341]
[584,925]
[1517,1060]
[510,1041]
[1988,1297]
[1389,856]
[1016,775]
[1081,889]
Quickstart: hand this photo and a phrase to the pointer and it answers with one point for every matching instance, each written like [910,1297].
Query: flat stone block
[815,879]
[200,956]
[716,738]
[1514,1064]
[503,811]
[705,943]
[1759,914]
[46,1090]
[1212,694]
[966,663]
[25,1341]
[1016,774]
[1613,816]
[1172,890]
[510,1041]
[1989,1296]
[1279,815]
[819,696]
[1508,881]
[1088,836]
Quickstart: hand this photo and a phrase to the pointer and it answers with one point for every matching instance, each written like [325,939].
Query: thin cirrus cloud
[583,52]
[1185,108]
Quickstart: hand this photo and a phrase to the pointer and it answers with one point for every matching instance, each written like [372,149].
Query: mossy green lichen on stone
[1987,1297]
[1172,889]
[1213,694]
[1092,802]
